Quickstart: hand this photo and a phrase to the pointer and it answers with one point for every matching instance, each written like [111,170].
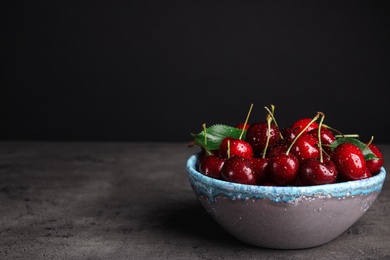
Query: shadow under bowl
[284,217]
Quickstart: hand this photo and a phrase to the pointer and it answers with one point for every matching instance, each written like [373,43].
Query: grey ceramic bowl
[284,217]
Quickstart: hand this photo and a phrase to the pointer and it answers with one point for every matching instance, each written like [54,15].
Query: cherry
[288,134]
[349,161]
[374,165]
[327,137]
[230,147]
[367,174]
[314,172]
[260,166]
[302,123]
[277,149]
[305,147]
[239,170]
[283,168]
[211,165]
[257,134]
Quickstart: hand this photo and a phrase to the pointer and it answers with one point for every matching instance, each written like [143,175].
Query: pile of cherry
[306,153]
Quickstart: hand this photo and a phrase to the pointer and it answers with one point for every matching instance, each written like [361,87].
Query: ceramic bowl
[284,217]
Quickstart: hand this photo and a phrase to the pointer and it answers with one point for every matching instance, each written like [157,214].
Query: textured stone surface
[64,200]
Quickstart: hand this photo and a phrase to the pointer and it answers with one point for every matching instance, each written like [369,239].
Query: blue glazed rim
[213,187]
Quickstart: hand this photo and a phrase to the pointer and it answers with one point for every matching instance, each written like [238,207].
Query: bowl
[284,217]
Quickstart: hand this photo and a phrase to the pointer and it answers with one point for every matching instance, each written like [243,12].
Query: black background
[158,70]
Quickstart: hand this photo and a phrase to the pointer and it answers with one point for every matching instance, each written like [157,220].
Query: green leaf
[368,154]
[212,137]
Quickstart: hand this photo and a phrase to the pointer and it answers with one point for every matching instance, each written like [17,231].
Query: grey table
[117,200]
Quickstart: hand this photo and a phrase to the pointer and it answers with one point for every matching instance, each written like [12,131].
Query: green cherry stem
[269,119]
[347,135]
[246,121]
[319,136]
[228,144]
[339,134]
[369,142]
[273,118]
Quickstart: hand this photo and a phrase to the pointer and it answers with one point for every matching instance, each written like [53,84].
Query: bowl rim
[213,187]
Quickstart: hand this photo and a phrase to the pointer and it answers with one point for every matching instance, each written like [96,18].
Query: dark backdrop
[158,70]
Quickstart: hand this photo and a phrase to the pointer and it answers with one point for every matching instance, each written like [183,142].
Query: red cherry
[211,165]
[374,166]
[289,134]
[327,137]
[204,153]
[260,165]
[305,147]
[367,174]
[302,123]
[277,149]
[257,133]
[314,172]
[238,169]
[283,168]
[349,161]
[236,147]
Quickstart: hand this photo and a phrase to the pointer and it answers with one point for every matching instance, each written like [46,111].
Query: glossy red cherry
[327,137]
[374,166]
[277,149]
[239,170]
[211,165]
[314,172]
[302,123]
[289,135]
[257,133]
[349,161]
[367,174]
[230,147]
[283,168]
[203,153]
[306,147]
[260,165]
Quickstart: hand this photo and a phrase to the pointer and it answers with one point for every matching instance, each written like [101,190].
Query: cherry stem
[272,108]
[300,133]
[273,118]
[348,135]
[246,121]
[319,135]
[369,142]
[269,119]
[334,130]
[228,144]
[339,133]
